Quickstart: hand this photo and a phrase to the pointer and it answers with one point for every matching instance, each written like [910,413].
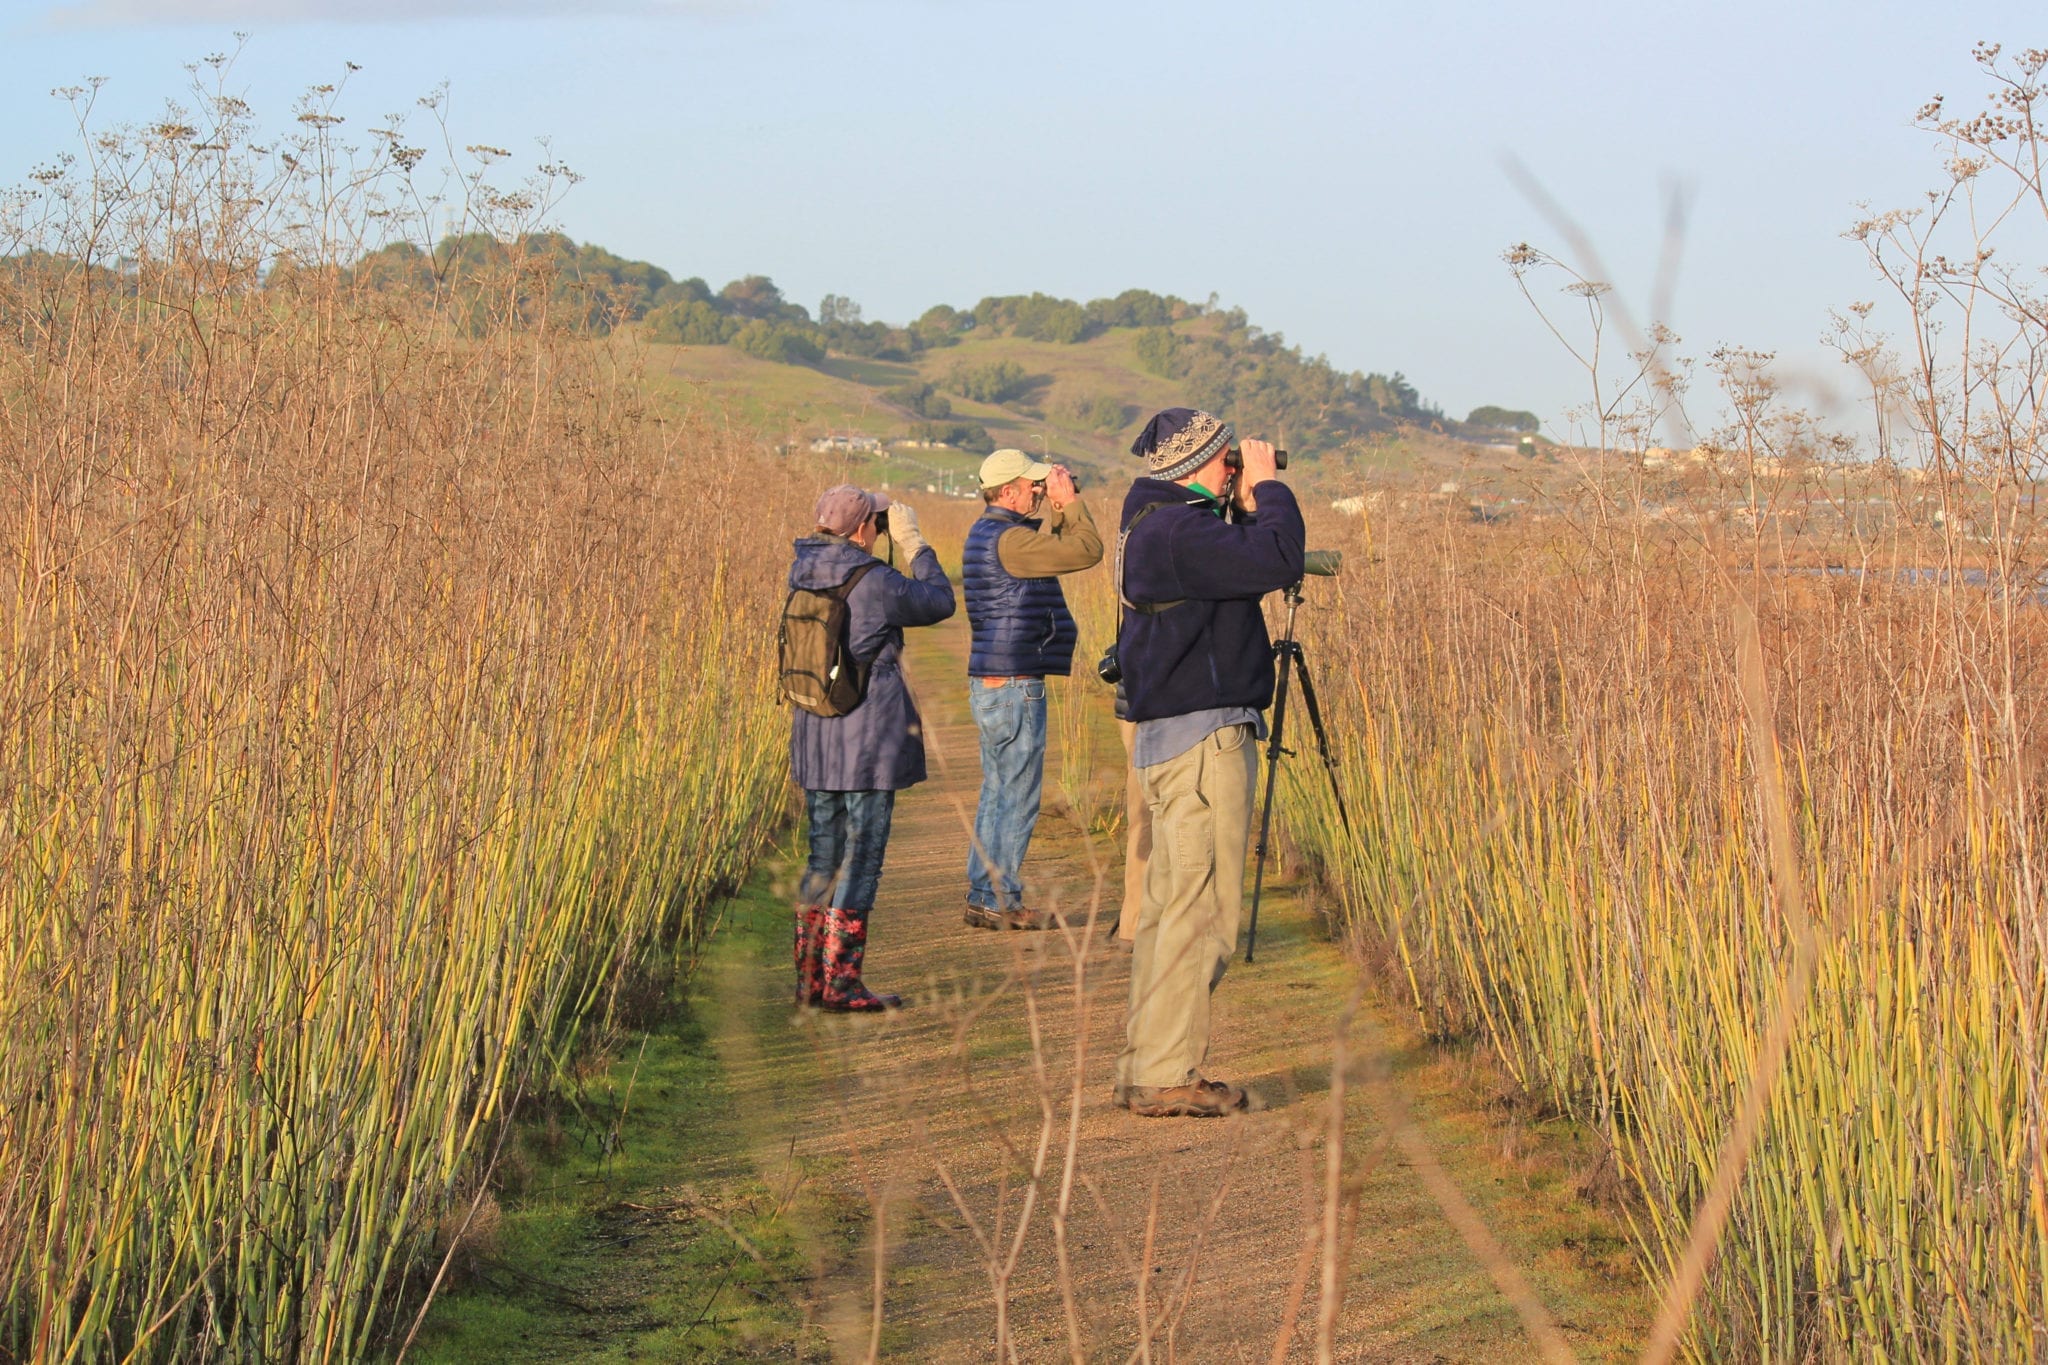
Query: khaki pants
[1137,839]
[1201,805]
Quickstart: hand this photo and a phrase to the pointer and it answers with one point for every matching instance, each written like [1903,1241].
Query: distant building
[846,443]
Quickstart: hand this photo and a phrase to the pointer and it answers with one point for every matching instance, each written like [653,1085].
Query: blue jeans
[1011,719]
[849,834]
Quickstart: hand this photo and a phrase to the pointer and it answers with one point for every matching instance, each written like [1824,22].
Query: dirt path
[924,1129]
[772,1152]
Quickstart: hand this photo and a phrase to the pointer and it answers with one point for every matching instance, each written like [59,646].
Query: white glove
[903,532]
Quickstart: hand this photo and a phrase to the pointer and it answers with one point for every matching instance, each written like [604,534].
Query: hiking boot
[845,945]
[1194,1101]
[981,917]
[1233,1096]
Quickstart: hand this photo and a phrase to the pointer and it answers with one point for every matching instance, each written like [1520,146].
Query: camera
[1109,668]
[882,522]
[1233,458]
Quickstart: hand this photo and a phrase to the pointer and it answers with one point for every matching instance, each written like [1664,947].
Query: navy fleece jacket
[1211,650]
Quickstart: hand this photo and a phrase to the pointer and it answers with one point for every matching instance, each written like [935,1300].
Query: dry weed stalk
[369,714]
[1571,843]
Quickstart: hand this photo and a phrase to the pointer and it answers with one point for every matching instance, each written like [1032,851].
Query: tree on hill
[1041,317]
[1140,308]
[780,342]
[396,265]
[1394,394]
[689,322]
[1036,317]
[840,329]
[923,399]
[1266,386]
[969,436]
[1503,419]
[580,286]
[692,290]
[996,382]
[1097,412]
[941,325]
[612,288]
[756,296]
[1155,347]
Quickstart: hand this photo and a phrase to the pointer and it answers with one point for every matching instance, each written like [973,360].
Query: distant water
[2032,587]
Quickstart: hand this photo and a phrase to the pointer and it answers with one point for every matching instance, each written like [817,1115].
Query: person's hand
[903,532]
[1260,464]
[1059,486]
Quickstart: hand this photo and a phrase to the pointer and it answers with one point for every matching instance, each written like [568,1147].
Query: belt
[998,682]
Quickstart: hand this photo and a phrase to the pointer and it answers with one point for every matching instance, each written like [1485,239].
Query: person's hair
[989,495]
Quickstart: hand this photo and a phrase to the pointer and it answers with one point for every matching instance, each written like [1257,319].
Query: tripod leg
[1273,751]
[1315,722]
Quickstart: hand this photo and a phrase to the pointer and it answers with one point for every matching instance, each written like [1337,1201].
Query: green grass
[577,1271]
[792,401]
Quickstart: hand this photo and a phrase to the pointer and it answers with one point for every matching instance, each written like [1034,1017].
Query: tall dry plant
[1565,780]
[383,689]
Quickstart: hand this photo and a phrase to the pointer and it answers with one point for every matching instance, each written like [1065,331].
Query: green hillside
[922,401]
[845,395]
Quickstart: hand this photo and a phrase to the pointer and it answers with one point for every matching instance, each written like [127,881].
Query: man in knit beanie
[1202,542]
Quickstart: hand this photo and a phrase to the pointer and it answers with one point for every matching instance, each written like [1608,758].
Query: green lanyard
[1214,504]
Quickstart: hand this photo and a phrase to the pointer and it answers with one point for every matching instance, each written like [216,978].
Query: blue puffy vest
[1022,628]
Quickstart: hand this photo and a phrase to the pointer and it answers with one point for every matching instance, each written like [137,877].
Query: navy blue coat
[879,745]
[1022,628]
[1211,650]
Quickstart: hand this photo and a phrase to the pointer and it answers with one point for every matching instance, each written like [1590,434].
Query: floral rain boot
[846,943]
[810,954]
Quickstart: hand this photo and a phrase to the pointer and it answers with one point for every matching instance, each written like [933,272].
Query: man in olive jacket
[1201,547]
[1033,530]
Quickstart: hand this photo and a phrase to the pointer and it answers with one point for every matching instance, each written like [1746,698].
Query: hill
[854,398]
[919,403]
[1034,371]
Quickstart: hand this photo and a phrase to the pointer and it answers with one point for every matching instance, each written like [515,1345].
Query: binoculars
[1233,458]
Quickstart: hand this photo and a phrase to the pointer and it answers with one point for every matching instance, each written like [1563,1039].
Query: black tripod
[1288,658]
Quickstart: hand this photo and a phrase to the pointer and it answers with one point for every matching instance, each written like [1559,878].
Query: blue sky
[1335,169]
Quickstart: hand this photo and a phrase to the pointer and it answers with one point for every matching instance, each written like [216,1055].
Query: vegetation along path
[926,1185]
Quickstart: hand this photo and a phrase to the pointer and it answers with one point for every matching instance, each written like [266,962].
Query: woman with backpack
[855,738]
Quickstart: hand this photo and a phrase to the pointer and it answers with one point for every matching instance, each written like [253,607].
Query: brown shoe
[1200,1100]
[1233,1096]
[981,917]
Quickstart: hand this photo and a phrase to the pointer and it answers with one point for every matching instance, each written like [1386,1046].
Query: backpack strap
[841,593]
[845,589]
[1123,537]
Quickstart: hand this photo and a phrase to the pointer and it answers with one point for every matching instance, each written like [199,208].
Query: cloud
[270,13]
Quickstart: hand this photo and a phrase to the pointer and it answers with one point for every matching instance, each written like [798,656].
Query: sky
[1341,171]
